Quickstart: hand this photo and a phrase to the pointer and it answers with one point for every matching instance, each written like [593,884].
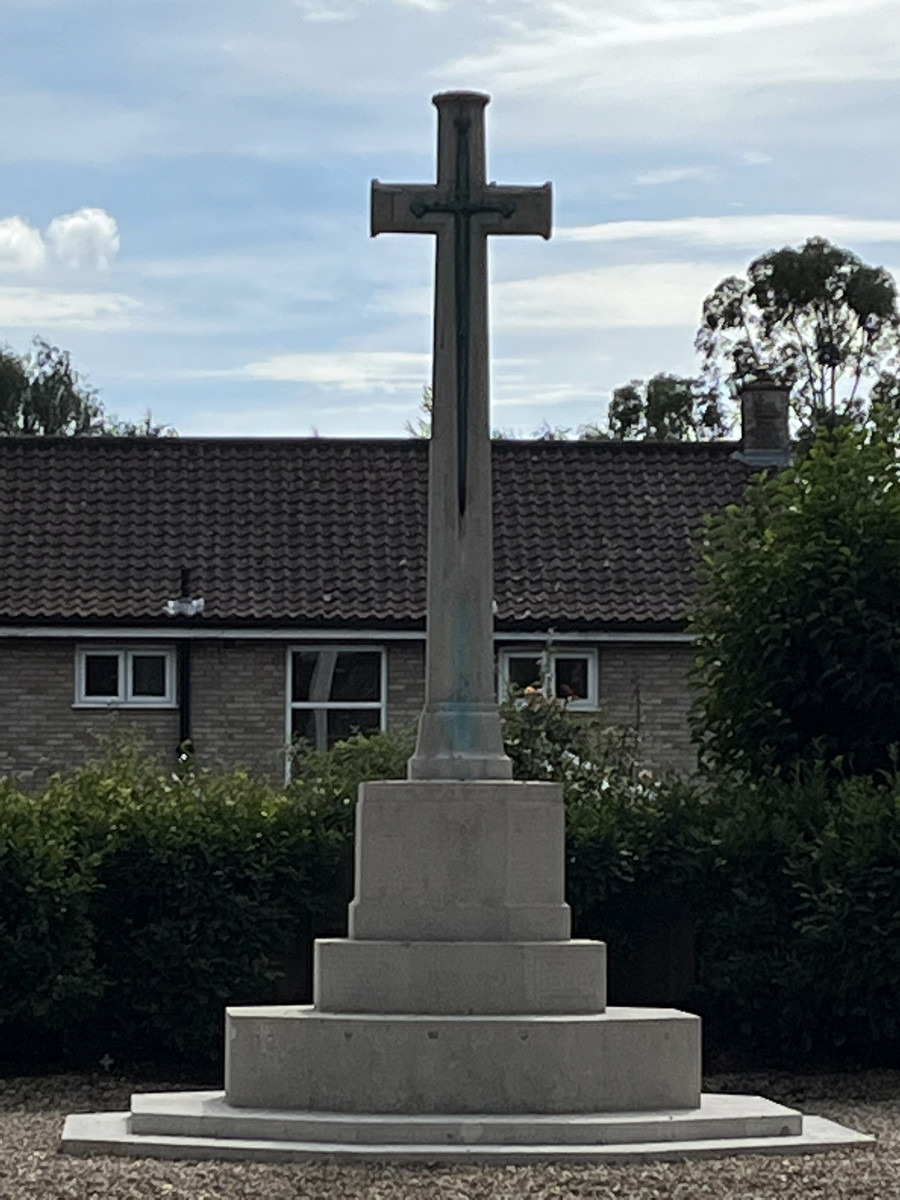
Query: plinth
[457,1021]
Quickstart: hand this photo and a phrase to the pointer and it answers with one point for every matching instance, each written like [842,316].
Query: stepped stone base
[203,1125]
[458,1022]
[459,977]
[302,1059]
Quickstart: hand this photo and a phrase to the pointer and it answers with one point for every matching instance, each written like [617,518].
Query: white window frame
[326,705]
[125,697]
[590,704]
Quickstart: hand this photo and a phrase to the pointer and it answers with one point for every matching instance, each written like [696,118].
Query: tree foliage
[666,408]
[41,394]
[816,318]
[798,611]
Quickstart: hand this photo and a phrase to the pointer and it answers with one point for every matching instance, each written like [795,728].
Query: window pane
[571,675]
[357,676]
[344,722]
[302,668]
[335,675]
[148,675]
[310,725]
[525,672]
[321,727]
[101,675]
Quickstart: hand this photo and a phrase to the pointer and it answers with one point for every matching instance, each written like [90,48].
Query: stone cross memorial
[458,1020]
[459,732]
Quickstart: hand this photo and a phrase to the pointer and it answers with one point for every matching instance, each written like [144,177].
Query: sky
[184,190]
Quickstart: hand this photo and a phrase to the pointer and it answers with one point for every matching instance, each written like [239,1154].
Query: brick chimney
[765,438]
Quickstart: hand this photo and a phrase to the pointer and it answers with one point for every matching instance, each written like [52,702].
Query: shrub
[631,835]
[800,916]
[326,782]
[47,939]
[798,613]
[153,899]
[202,888]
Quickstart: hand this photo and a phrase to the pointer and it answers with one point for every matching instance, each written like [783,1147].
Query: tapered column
[459,731]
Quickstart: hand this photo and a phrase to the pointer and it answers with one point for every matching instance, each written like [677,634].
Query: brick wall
[644,687]
[406,682]
[239,704]
[40,729]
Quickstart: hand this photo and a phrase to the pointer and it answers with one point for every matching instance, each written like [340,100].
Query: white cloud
[301,419]
[84,240]
[633,295]
[763,231]
[44,309]
[723,72]
[525,393]
[323,10]
[755,158]
[350,371]
[88,238]
[566,43]
[21,246]
[346,10]
[666,175]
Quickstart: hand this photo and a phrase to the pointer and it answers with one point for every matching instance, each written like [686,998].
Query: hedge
[135,902]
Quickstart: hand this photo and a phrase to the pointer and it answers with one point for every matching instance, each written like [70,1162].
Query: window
[569,675]
[333,693]
[140,677]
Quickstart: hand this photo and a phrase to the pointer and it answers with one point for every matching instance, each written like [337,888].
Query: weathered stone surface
[461,978]
[460,861]
[620,1060]
[202,1125]
[459,731]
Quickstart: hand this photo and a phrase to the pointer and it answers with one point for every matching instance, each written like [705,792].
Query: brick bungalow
[239,593]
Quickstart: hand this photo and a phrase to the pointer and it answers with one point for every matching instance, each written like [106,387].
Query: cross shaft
[459,733]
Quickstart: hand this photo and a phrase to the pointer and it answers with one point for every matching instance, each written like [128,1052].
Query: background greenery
[798,613]
[135,903]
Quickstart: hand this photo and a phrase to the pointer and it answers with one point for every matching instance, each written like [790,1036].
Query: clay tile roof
[319,532]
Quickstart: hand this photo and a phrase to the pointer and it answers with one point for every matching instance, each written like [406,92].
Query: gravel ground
[32,1112]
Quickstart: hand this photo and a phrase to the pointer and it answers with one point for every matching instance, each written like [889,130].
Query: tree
[421,427]
[798,611]
[41,394]
[667,408]
[816,318]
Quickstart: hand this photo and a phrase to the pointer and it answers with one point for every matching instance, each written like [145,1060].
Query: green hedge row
[136,903]
[791,887]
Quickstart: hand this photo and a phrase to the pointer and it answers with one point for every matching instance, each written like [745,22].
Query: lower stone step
[208,1114]
[234,1136]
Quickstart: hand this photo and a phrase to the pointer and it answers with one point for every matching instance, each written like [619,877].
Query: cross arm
[532,209]
[391,208]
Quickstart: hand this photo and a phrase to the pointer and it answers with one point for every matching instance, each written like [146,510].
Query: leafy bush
[634,840]
[47,937]
[201,891]
[798,614]
[153,899]
[799,916]
[326,782]
[136,903]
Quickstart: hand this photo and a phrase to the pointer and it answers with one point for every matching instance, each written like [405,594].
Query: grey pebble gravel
[32,1112]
